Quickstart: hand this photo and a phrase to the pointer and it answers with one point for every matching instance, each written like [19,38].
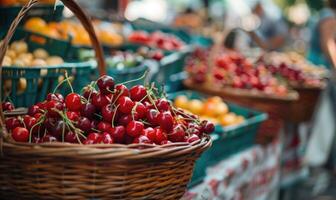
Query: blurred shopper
[272,33]
[322,145]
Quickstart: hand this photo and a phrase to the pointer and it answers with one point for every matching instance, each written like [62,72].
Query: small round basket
[74,171]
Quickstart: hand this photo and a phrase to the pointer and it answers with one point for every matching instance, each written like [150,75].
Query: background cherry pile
[112,113]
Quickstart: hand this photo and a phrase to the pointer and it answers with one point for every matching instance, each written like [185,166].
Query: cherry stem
[138,79]
[68,80]
[114,114]
[42,118]
[60,83]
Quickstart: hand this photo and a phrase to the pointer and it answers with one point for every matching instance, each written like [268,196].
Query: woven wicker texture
[73,171]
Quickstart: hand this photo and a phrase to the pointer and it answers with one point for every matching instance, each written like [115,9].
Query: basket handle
[83,18]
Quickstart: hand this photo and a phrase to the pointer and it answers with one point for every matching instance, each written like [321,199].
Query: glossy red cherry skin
[134,128]
[73,116]
[104,126]
[88,142]
[100,100]
[48,139]
[141,110]
[138,92]
[84,124]
[30,122]
[177,134]
[166,121]
[105,84]
[118,133]
[121,90]
[73,102]
[54,107]
[20,134]
[93,136]
[7,106]
[193,138]
[107,113]
[12,123]
[160,135]
[33,110]
[162,105]
[125,105]
[125,119]
[150,133]
[142,139]
[153,117]
[71,137]
[88,110]
[207,127]
[106,138]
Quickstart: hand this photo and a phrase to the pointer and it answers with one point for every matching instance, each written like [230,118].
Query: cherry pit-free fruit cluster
[107,113]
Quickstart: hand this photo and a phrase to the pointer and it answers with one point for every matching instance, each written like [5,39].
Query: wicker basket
[73,171]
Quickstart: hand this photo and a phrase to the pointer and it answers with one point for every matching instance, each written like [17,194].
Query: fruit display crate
[226,140]
[8,14]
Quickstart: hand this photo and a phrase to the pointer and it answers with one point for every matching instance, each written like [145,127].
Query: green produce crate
[227,141]
[46,12]
[125,75]
[42,80]
[150,26]
[202,41]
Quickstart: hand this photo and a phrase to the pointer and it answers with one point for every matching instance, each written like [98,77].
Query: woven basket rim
[105,151]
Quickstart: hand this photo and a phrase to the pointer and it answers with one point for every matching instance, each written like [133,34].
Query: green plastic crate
[227,141]
[37,86]
[46,12]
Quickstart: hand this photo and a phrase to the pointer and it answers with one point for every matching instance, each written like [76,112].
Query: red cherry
[88,91]
[93,136]
[106,139]
[88,110]
[38,116]
[100,100]
[7,106]
[162,105]
[134,128]
[84,124]
[53,107]
[160,136]
[59,129]
[207,127]
[73,102]
[71,137]
[140,110]
[88,142]
[73,116]
[60,97]
[138,92]
[177,134]
[36,140]
[105,84]
[165,142]
[33,110]
[125,119]
[193,138]
[118,133]
[125,104]
[20,134]
[150,133]
[142,139]
[153,117]
[107,113]
[48,139]
[30,122]
[12,123]
[51,96]
[104,126]
[128,139]
[120,90]
[166,121]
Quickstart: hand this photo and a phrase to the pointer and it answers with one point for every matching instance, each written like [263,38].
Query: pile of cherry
[109,114]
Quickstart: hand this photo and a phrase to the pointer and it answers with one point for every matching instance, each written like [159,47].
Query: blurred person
[272,33]
[322,145]
[189,19]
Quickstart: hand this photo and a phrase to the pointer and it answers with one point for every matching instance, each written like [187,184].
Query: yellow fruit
[239,119]
[35,24]
[181,102]
[22,85]
[209,109]
[19,63]
[19,47]
[40,53]
[38,63]
[54,60]
[221,109]
[228,119]
[7,2]
[215,99]
[11,53]
[7,61]
[195,106]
